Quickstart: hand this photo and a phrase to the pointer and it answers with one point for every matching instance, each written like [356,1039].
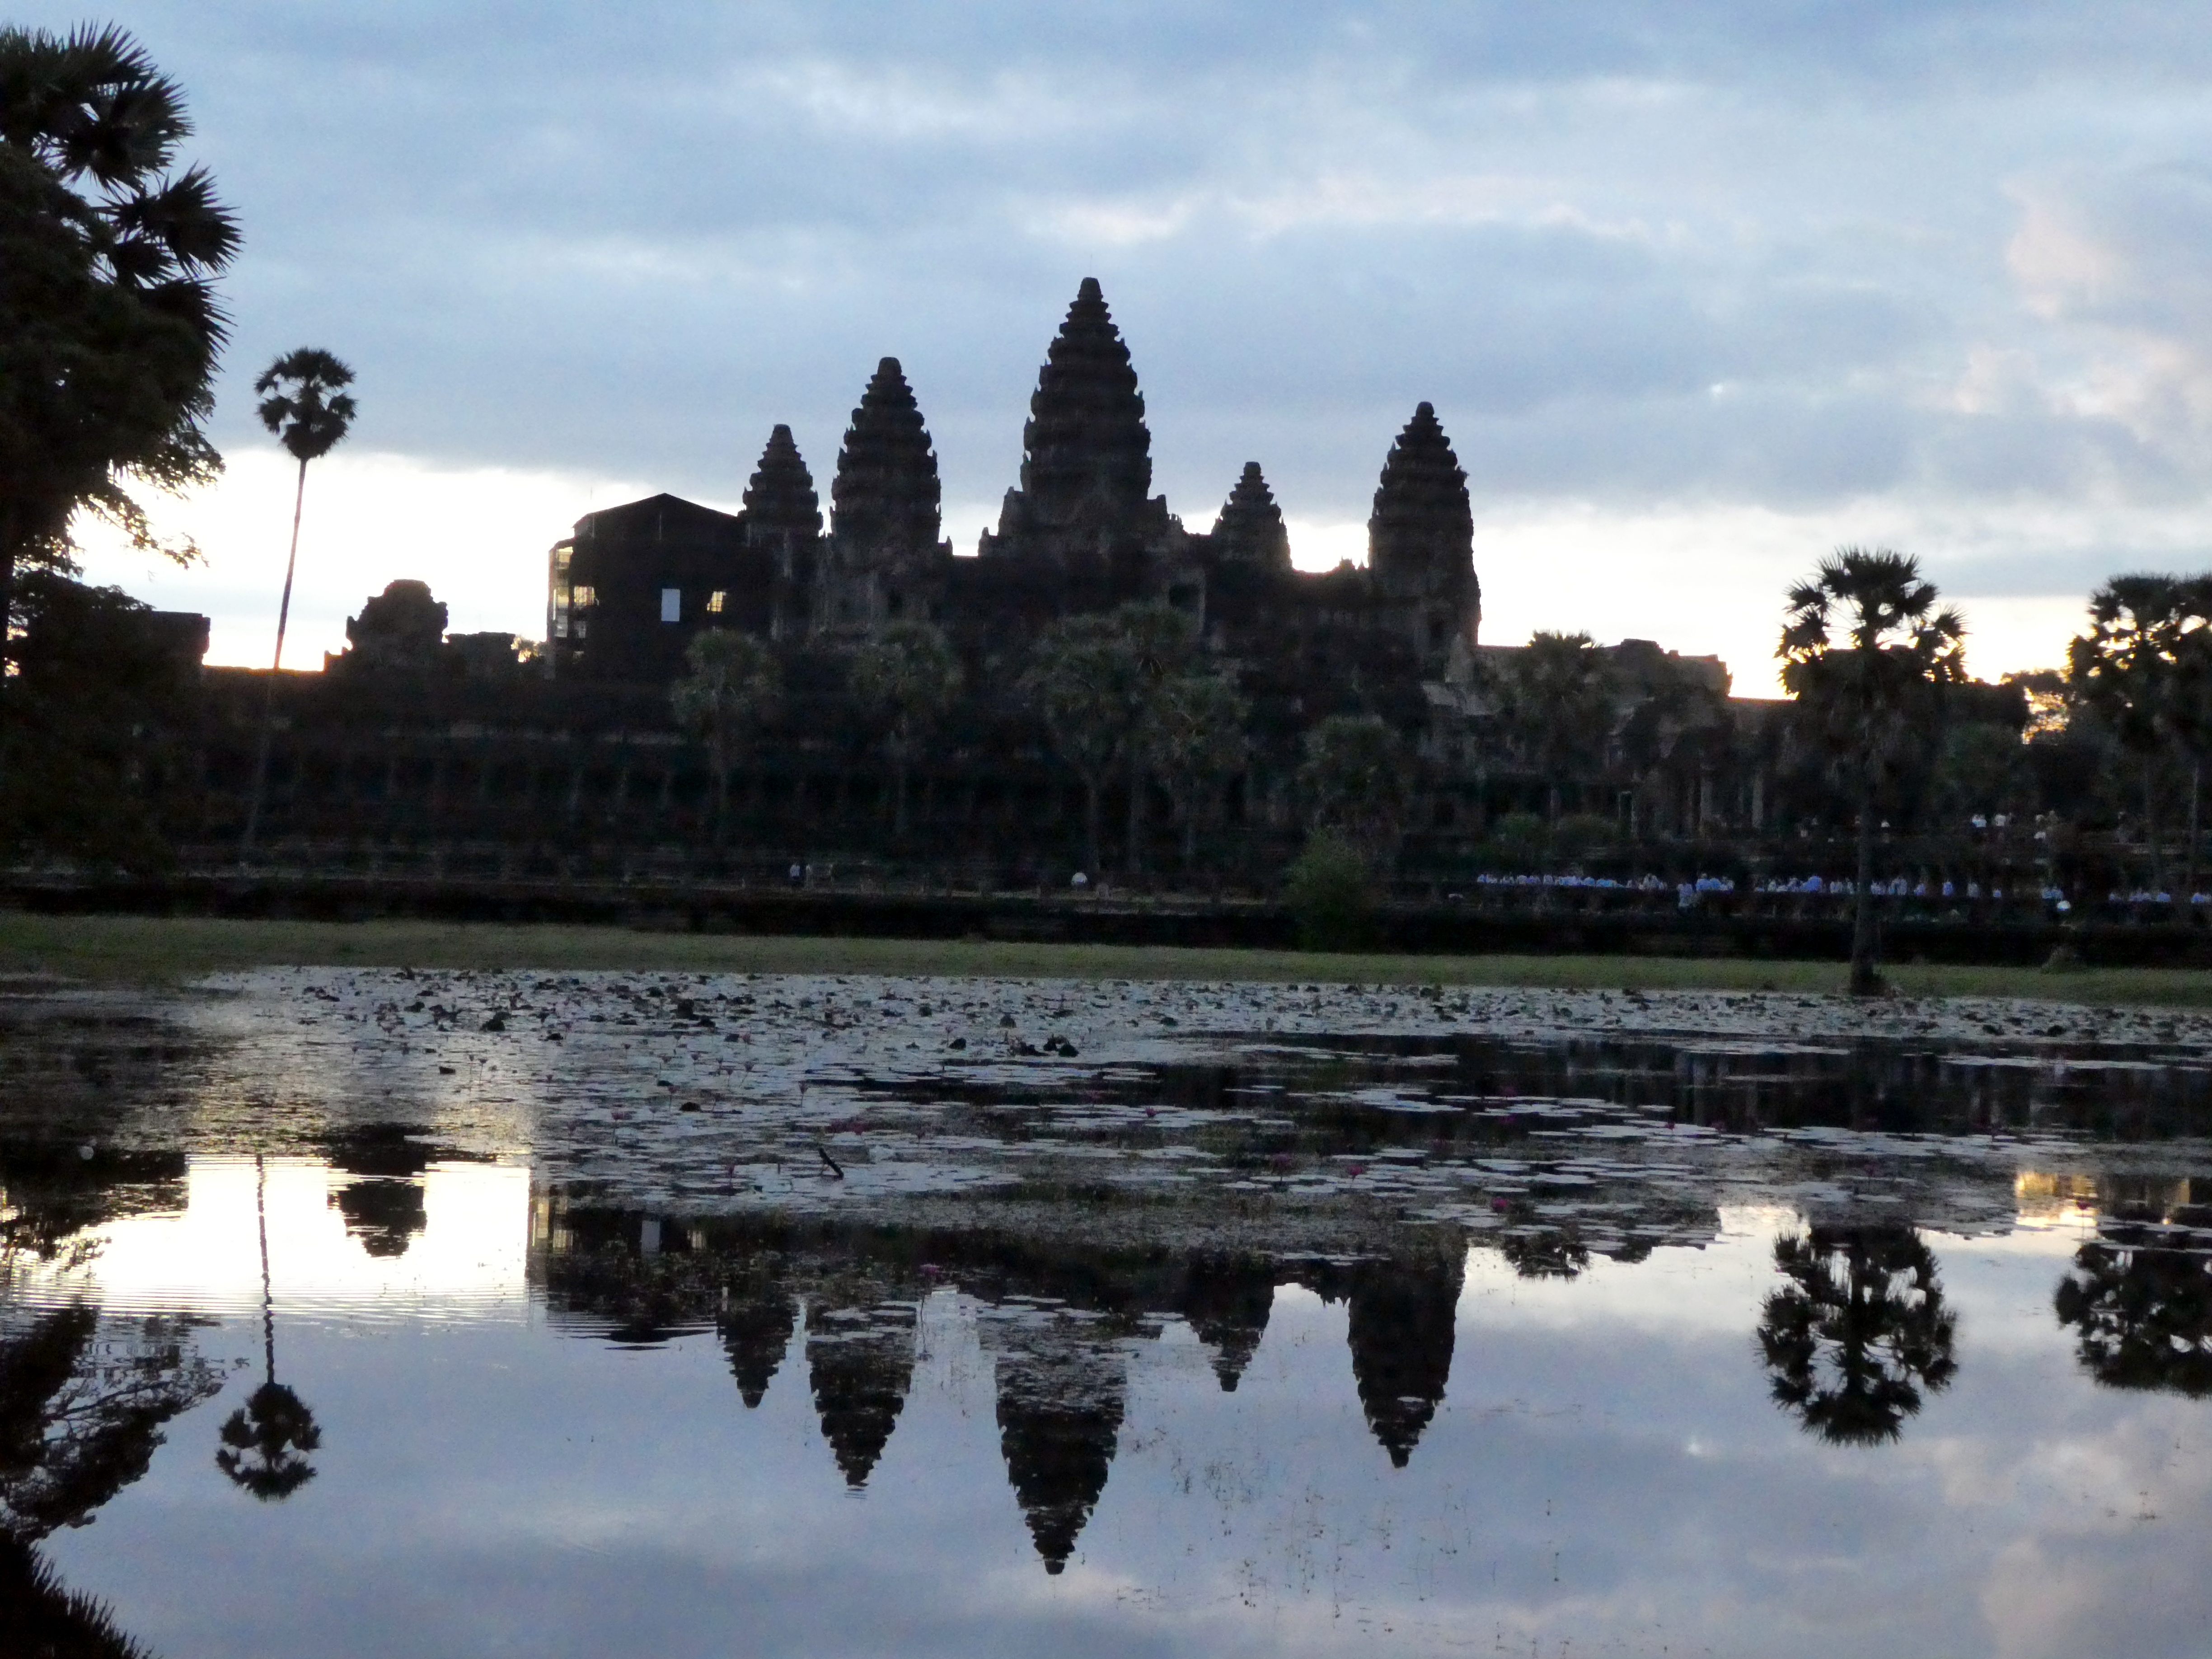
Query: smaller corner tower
[781,520]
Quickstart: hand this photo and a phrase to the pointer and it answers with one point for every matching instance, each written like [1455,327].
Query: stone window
[582,598]
[671,604]
[717,602]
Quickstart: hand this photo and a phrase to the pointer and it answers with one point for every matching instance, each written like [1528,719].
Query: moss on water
[145,950]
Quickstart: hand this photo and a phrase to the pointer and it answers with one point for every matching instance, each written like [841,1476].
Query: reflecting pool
[363,1314]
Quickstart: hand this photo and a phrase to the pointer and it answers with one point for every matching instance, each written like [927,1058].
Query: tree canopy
[110,328]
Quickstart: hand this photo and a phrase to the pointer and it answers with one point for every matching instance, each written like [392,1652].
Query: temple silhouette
[1060,1323]
[461,757]
[1081,532]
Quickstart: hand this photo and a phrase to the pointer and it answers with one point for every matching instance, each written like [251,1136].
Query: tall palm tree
[265,1441]
[1863,646]
[303,403]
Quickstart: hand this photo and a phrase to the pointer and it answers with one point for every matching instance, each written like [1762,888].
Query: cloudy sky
[1700,291]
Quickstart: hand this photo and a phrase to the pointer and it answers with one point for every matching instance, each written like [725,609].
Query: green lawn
[146,950]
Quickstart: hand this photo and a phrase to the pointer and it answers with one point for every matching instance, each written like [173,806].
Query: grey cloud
[627,244]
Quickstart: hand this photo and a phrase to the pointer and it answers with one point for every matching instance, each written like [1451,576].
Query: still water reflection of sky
[1607,1470]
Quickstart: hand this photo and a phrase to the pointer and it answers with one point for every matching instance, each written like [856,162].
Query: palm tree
[303,404]
[2140,1295]
[266,1442]
[1858,1332]
[907,676]
[1559,705]
[733,686]
[2141,668]
[1865,694]
[110,333]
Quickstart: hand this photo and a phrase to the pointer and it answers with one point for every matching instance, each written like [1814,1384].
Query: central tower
[1084,504]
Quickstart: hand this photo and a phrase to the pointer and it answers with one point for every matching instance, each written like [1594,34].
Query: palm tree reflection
[2140,1295]
[1858,1332]
[266,1442]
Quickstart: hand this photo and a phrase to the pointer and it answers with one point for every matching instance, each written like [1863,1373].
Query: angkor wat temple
[1081,532]
[492,755]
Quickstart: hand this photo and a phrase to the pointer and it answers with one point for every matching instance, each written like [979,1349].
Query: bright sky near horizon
[1699,292]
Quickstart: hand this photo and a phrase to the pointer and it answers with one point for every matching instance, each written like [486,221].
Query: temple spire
[885,499]
[1086,445]
[1421,517]
[1250,526]
[779,499]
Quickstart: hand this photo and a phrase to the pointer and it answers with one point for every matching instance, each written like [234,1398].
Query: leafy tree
[109,331]
[83,1402]
[2144,669]
[2139,1296]
[1557,702]
[88,723]
[1194,735]
[1357,780]
[1859,1331]
[1096,680]
[1863,649]
[1161,642]
[1980,767]
[1083,683]
[1332,895]
[304,403]
[907,677]
[731,688]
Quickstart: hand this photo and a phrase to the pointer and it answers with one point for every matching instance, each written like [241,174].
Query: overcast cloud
[1699,290]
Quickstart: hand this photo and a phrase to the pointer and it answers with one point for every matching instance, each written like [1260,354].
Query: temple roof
[886,492]
[1250,526]
[781,495]
[1421,508]
[1086,441]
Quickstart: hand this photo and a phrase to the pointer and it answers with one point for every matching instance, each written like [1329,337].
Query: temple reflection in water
[1058,1322]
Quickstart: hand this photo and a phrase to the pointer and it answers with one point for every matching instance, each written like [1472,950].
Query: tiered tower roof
[1422,526]
[781,496]
[886,495]
[1086,441]
[1251,527]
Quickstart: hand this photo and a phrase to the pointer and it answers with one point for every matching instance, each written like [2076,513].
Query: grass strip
[155,951]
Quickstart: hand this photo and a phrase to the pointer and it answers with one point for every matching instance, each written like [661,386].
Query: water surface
[659,1318]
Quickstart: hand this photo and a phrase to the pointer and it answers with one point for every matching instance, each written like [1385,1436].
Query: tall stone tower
[883,560]
[1084,505]
[782,518]
[1420,544]
[1250,530]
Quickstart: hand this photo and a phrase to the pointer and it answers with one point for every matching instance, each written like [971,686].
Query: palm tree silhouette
[2141,1297]
[265,1441]
[1862,647]
[1858,1332]
[301,401]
